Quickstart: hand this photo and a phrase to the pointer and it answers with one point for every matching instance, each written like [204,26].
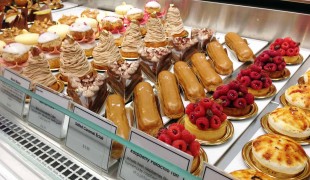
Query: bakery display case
[132,109]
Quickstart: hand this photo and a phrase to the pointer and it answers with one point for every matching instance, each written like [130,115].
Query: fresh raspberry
[293,44]
[256,68]
[277,60]
[273,53]
[281,66]
[222,89]
[240,103]
[180,144]
[165,138]
[287,39]
[282,52]
[246,80]
[180,126]
[192,117]
[174,132]
[206,103]
[223,117]
[232,94]
[234,85]
[189,152]
[216,109]
[242,90]
[245,72]
[264,56]
[259,63]
[194,147]
[272,46]
[296,51]
[256,84]
[279,41]
[215,122]
[249,98]
[290,52]
[187,136]
[189,108]
[239,76]
[225,101]
[255,75]
[285,45]
[216,95]
[271,67]
[162,131]
[267,82]
[202,123]
[200,110]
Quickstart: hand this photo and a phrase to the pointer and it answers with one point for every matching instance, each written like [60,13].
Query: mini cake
[135,14]
[278,156]
[132,41]
[123,9]
[14,56]
[155,33]
[206,120]
[50,44]
[250,174]
[84,35]
[40,26]
[90,13]
[155,60]
[28,39]
[113,24]
[288,48]
[257,82]
[93,23]
[272,63]
[174,24]
[124,76]
[16,18]
[203,35]
[183,48]
[290,121]
[8,35]
[68,20]
[45,12]
[177,136]
[298,95]
[105,53]
[61,29]
[235,98]
[152,6]
[39,72]
[89,91]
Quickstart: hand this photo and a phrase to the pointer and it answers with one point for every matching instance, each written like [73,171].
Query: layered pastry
[205,72]
[155,33]
[239,46]
[183,48]
[16,18]
[14,56]
[204,36]
[73,61]
[177,136]
[135,14]
[90,13]
[206,120]
[113,24]
[45,12]
[115,111]
[40,26]
[222,64]
[290,121]
[174,24]
[105,53]
[191,87]
[257,82]
[8,35]
[132,41]
[38,71]
[235,98]
[84,35]
[50,44]
[93,23]
[61,29]
[147,116]
[272,63]
[68,20]
[124,76]
[278,156]
[89,90]
[287,48]
[169,95]
[123,9]
[250,174]
[28,39]
[299,96]
[155,60]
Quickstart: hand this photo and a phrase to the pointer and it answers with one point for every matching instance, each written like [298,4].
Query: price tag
[10,97]
[87,142]
[45,117]
[136,166]
[211,172]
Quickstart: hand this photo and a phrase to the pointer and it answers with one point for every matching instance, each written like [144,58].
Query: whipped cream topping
[132,39]
[106,51]
[88,86]
[15,48]
[154,54]
[111,19]
[174,23]
[125,70]
[73,61]
[38,71]
[183,43]
[134,11]
[202,34]
[155,31]
[79,27]
[47,37]
[153,4]
[89,21]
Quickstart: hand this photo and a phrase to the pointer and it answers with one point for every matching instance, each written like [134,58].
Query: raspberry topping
[180,144]
[202,123]
[232,94]
[165,138]
[215,122]
[275,58]
[240,103]
[174,132]
[282,46]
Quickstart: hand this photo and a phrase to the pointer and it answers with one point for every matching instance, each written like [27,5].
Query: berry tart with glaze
[289,49]
[235,99]
[177,136]
[272,63]
[258,83]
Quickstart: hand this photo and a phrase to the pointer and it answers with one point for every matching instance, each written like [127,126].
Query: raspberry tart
[235,99]
[258,83]
[272,63]
[288,48]
[206,120]
[177,136]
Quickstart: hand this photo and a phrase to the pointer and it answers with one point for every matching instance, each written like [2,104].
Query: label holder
[211,172]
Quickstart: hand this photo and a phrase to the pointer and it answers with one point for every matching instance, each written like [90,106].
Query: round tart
[298,95]
[278,156]
[250,174]
[61,29]
[288,48]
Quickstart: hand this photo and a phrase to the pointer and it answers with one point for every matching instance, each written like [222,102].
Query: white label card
[87,142]
[136,166]
[211,172]
[10,97]
[46,117]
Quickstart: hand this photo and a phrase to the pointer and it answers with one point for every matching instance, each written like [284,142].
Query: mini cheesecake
[298,95]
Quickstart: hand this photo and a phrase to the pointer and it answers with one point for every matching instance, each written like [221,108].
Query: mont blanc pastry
[174,23]
[155,34]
